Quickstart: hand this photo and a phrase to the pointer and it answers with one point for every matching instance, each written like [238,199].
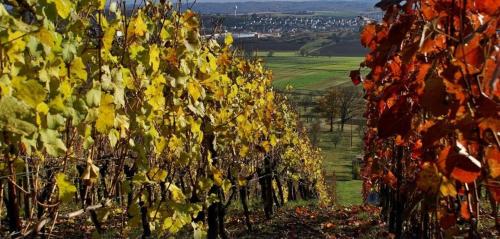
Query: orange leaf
[464,210]
[490,7]
[390,179]
[465,176]
[470,55]
[492,155]
[443,155]
[368,34]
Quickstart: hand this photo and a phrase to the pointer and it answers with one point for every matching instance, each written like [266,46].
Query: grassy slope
[338,165]
[314,73]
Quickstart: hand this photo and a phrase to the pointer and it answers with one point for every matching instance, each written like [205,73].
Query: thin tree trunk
[145,222]
[13,204]
[244,203]
[280,189]
[331,123]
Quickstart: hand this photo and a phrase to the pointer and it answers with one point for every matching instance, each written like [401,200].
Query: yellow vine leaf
[243,151]
[78,69]
[106,117]
[176,193]
[63,7]
[45,37]
[102,4]
[109,36]
[139,27]
[228,40]
[273,140]
[193,90]
[154,57]
[447,188]
[66,189]
[218,178]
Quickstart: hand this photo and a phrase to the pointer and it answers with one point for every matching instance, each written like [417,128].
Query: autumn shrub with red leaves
[433,91]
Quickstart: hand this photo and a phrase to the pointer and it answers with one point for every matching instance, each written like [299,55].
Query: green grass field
[313,73]
[320,73]
[338,164]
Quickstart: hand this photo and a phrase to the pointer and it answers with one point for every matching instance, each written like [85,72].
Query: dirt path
[313,222]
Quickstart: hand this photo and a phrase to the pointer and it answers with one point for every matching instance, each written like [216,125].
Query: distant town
[268,25]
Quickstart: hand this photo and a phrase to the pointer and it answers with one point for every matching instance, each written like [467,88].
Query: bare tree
[349,104]
[314,132]
[328,106]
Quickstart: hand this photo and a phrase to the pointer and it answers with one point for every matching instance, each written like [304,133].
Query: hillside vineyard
[137,123]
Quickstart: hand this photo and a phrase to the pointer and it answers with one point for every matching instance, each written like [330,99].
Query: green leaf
[93,98]
[69,50]
[66,189]
[30,91]
[55,121]
[51,142]
[12,116]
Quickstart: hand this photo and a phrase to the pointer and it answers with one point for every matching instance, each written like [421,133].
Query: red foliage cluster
[433,112]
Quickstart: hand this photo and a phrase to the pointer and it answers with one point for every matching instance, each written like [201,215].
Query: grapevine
[129,117]
[432,146]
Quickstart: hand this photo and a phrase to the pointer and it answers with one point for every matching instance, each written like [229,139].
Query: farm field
[337,164]
[320,73]
[312,73]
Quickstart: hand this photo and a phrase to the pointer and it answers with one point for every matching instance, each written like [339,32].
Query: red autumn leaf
[448,220]
[428,10]
[368,34]
[487,107]
[423,71]
[434,99]
[464,210]
[396,120]
[435,132]
[457,90]
[465,176]
[465,168]
[355,77]
[494,188]
[492,155]
[488,127]
[470,55]
[394,67]
[442,159]
[491,7]
[390,179]
[491,78]
[434,45]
